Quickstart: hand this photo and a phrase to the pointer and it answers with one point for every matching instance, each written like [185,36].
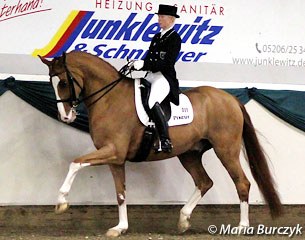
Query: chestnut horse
[220,122]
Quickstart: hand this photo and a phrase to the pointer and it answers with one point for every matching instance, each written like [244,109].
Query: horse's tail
[259,167]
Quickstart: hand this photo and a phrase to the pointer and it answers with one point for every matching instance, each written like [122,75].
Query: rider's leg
[159,90]
[162,127]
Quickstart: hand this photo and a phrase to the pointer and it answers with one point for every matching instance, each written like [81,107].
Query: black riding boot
[162,127]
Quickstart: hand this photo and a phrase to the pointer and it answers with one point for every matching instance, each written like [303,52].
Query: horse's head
[67,86]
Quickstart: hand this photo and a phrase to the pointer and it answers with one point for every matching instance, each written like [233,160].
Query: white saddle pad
[182,114]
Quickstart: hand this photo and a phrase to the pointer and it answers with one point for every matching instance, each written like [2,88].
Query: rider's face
[165,21]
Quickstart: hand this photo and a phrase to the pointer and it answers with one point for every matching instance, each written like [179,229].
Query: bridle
[73,100]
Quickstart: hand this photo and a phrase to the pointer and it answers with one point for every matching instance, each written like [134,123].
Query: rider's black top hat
[168,10]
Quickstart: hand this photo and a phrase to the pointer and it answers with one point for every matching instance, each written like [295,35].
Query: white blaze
[60,106]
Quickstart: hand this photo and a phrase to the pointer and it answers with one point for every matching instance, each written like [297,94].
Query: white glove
[138,64]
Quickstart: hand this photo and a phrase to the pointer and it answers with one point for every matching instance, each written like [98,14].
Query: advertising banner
[253,33]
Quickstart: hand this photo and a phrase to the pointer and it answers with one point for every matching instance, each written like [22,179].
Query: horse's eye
[62,84]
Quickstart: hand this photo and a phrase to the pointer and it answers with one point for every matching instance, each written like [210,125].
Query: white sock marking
[123,219]
[65,188]
[192,203]
[244,214]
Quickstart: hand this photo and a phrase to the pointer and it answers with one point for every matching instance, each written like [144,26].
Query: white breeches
[159,88]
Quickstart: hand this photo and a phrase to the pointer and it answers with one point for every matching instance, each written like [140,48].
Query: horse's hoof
[61,208]
[113,233]
[183,226]
[184,222]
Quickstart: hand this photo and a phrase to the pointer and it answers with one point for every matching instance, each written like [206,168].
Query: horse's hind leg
[228,152]
[191,161]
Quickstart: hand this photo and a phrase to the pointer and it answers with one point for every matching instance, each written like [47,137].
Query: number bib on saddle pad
[180,115]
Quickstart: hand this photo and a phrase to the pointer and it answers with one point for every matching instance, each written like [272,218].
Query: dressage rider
[160,64]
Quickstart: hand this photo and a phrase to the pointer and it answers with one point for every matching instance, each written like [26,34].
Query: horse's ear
[45,61]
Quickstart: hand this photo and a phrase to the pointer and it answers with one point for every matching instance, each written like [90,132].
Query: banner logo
[121,38]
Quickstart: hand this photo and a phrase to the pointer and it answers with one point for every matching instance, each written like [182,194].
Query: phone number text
[281,49]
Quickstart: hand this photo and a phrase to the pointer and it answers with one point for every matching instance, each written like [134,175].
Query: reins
[75,101]
[108,88]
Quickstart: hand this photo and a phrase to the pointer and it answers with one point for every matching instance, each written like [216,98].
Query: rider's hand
[138,64]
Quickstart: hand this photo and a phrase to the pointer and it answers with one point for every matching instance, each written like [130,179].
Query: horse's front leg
[118,173]
[62,203]
[105,155]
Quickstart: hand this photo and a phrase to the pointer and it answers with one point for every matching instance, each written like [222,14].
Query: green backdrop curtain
[287,105]
[41,96]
